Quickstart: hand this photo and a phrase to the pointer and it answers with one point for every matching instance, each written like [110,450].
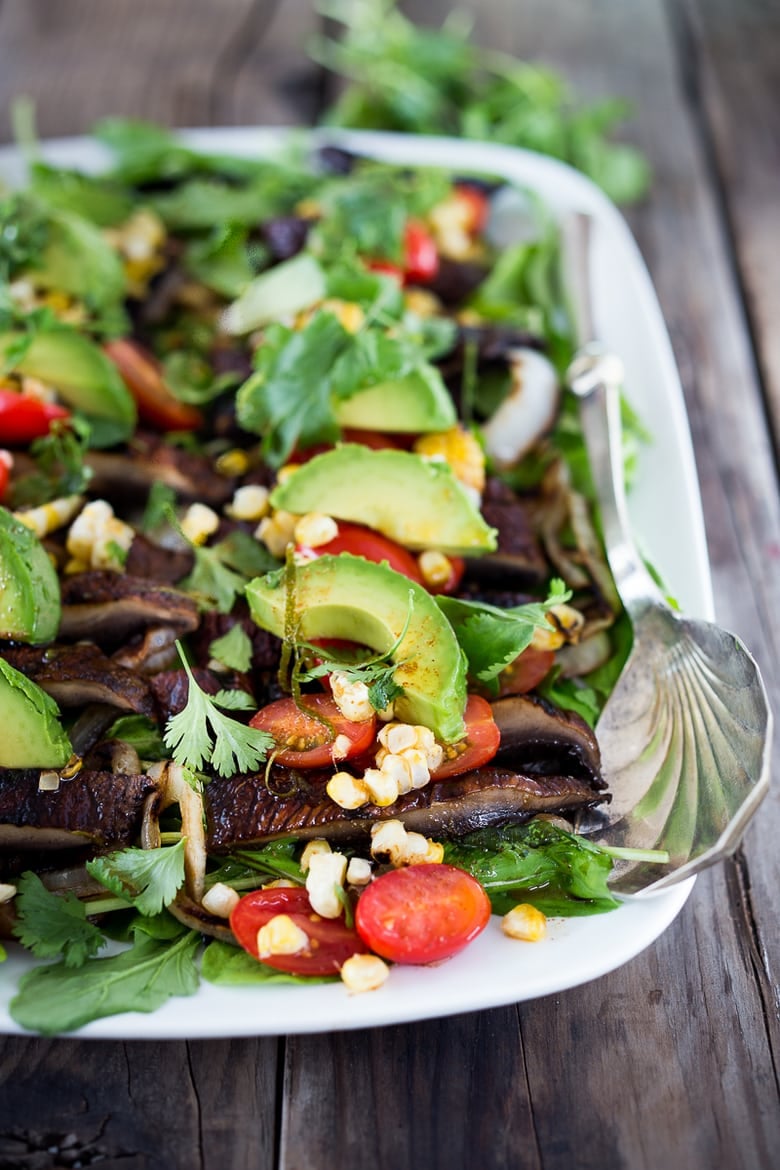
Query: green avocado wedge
[416,403]
[32,734]
[81,374]
[417,502]
[351,598]
[29,588]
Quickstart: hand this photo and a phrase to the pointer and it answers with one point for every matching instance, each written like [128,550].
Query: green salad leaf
[228,966]
[54,924]
[148,879]
[233,649]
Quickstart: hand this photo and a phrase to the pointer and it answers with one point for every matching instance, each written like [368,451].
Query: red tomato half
[421,913]
[526,672]
[305,742]
[372,546]
[478,747]
[476,207]
[332,941]
[157,405]
[421,259]
[6,466]
[24,418]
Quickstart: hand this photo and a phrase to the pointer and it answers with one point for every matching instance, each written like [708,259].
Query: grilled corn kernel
[388,841]
[49,517]
[347,313]
[98,538]
[450,223]
[276,532]
[382,788]
[232,462]
[460,449]
[359,871]
[396,769]
[7,892]
[249,503]
[281,884]
[435,568]
[364,973]
[40,391]
[284,473]
[524,922]
[313,847]
[421,302]
[315,529]
[400,738]
[566,624]
[325,883]
[351,698]
[341,746]
[347,791]
[199,523]
[397,736]
[280,936]
[419,849]
[220,900]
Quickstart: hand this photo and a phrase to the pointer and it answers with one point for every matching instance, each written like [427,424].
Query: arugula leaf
[148,878]
[558,872]
[228,966]
[201,733]
[233,649]
[491,638]
[141,733]
[54,924]
[277,858]
[57,998]
[99,200]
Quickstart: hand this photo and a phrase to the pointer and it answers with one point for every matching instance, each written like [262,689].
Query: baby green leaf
[54,924]
[148,878]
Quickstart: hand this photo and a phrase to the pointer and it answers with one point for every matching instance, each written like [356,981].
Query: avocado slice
[32,734]
[418,402]
[287,288]
[348,597]
[82,375]
[30,593]
[415,501]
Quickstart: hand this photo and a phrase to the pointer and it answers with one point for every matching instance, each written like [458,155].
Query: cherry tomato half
[478,747]
[526,672]
[6,466]
[372,546]
[332,941]
[421,259]
[421,913]
[476,207]
[24,418]
[305,742]
[142,375]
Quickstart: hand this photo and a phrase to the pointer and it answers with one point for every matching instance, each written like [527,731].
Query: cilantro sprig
[148,879]
[202,734]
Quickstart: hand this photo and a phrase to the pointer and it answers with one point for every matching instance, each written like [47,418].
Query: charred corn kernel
[220,900]
[281,884]
[249,503]
[419,850]
[280,936]
[396,769]
[97,538]
[311,849]
[232,462]
[276,532]
[524,922]
[450,222]
[422,302]
[49,517]
[397,736]
[347,313]
[382,787]
[388,841]
[460,449]
[23,294]
[364,973]
[40,391]
[199,523]
[417,764]
[566,624]
[7,892]
[325,883]
[435,568]
[359,871]
[308,208]
[315,529]
[387,713]
[341,746]
[284,473]
[400,738]
[351,698]
[347,791]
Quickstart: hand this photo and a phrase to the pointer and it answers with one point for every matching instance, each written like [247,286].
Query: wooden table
[671,1061]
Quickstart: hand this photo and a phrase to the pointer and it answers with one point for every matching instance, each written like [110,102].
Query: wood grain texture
[672,1060]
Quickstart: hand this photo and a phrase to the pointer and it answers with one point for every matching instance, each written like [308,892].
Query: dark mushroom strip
[80,675]
[541,739]
[150,652]
[98,808]
[246,811]
[518,555]
[111,607]
[151,460]
[153,562]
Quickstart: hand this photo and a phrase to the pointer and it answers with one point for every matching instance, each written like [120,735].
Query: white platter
[494,970]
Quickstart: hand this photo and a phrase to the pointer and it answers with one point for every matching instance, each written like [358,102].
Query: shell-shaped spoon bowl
[685,734]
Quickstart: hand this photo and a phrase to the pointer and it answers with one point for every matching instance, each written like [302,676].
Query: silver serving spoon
[685,735]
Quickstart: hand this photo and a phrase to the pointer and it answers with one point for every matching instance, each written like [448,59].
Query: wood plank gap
[198,1103]
[279,1101]
[687,54]
[740,890]
[239,49]
[528,1089]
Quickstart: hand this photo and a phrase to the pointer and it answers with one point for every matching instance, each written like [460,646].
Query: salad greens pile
[259,298]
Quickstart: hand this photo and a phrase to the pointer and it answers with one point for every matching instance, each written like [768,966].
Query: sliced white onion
[528,412]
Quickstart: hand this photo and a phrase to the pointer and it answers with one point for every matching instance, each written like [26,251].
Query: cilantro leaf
[139,732]
[148,878]
[201,733]
[56,998]
[227,966]
[54,924]
[491,638]
[233,649]
[212,580]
